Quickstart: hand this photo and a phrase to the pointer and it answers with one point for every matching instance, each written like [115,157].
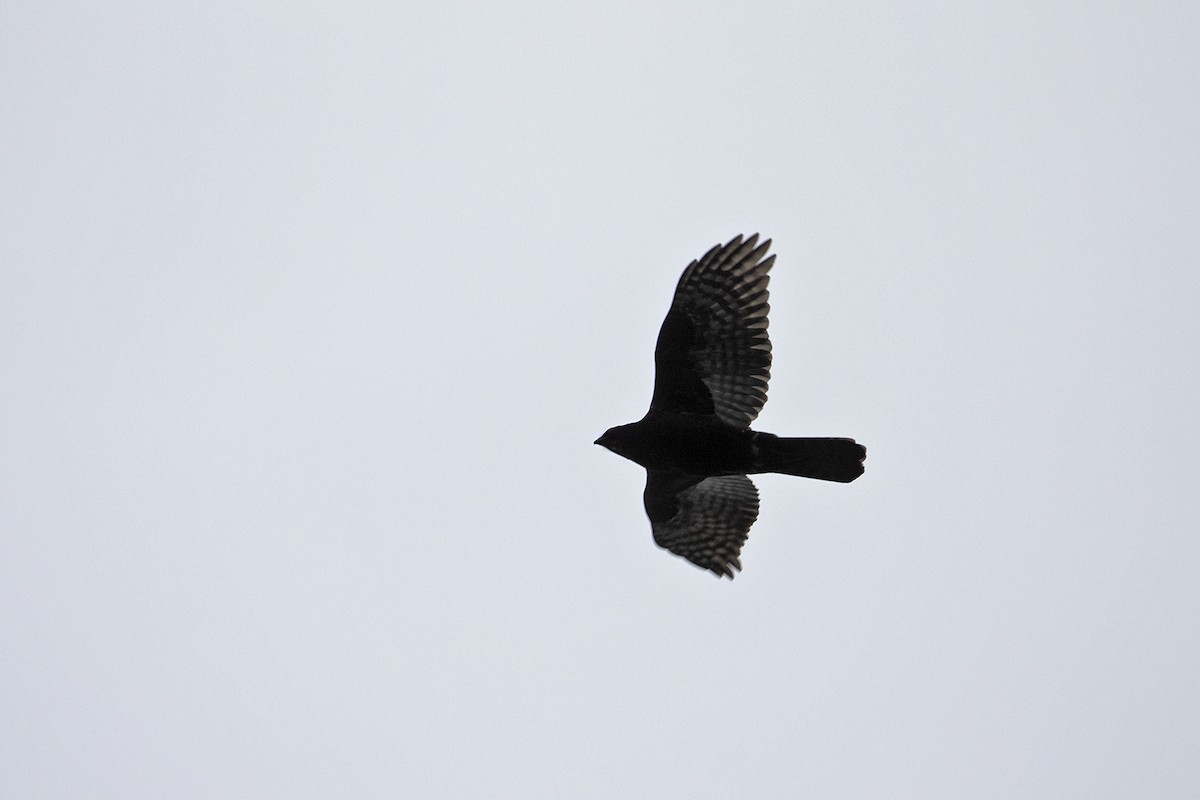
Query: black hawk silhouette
[712,364]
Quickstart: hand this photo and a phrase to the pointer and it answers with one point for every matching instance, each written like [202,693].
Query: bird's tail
[826,459]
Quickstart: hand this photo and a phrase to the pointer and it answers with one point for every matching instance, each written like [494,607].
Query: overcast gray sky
[310,313]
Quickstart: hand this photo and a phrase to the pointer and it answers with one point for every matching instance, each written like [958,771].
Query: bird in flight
[712,364]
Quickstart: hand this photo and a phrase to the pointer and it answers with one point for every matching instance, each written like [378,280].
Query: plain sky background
[310,313]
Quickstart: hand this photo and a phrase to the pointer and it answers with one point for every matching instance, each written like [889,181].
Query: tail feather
[827,459]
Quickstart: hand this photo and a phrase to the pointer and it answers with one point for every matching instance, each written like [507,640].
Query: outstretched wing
[713,354]
[704,520]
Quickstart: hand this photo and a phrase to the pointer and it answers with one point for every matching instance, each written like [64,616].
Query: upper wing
[713,354]
[705,521]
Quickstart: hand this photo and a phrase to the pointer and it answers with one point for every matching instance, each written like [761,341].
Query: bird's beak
[597,441]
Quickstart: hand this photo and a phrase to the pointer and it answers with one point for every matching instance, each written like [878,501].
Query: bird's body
[699,444]
[712,365]
[704,445]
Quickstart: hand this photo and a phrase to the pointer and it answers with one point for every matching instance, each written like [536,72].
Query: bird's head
[617,439]
[605,439]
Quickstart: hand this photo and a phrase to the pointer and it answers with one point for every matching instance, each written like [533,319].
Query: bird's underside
[712,367]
